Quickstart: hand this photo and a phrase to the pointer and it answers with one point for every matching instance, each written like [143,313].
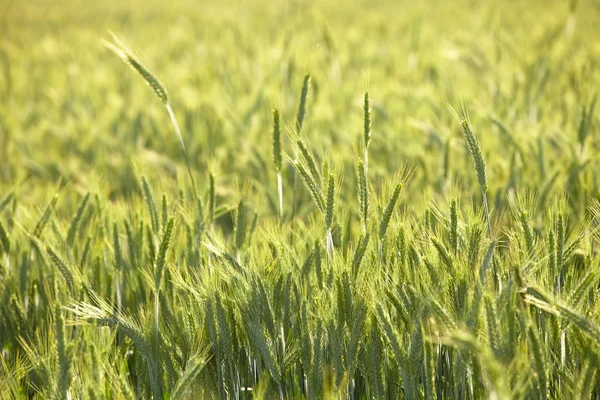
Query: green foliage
[118,280]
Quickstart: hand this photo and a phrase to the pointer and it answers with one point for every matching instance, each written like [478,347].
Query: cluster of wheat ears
[358,300]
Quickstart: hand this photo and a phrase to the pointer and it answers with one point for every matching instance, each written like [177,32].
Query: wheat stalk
[159,89]
[277,160]
[299,124]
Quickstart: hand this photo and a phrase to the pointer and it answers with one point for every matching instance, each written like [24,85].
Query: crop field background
[299,199]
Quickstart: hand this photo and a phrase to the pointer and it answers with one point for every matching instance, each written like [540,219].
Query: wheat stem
[183,149]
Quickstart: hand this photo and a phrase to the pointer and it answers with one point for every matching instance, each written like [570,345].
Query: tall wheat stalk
[299,124]
[477,156]
[159,89]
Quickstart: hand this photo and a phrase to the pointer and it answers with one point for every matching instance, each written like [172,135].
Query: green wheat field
[299,199]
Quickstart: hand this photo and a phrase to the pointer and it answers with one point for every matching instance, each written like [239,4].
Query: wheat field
[299,199]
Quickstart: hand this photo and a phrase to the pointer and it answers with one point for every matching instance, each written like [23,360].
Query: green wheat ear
[389,209]
[302,105]
[240,226]
[476,155]
[130,59]
[276,141]
[330,204]
[363,195]
[468,134]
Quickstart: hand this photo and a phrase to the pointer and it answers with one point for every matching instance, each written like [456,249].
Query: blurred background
[70,110]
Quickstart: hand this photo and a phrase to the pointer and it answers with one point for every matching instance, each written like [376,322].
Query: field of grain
[299,199]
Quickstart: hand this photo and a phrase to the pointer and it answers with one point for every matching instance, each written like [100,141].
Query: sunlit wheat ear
[130,59]
[476,155]
[474,150]
[159,89]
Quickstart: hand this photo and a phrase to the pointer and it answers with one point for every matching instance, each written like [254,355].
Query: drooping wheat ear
[194,366]
[363,195]
[240,226]
[130,59]
[159,89]
[389,209]
[104,314]
[311,185]
[309,160]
